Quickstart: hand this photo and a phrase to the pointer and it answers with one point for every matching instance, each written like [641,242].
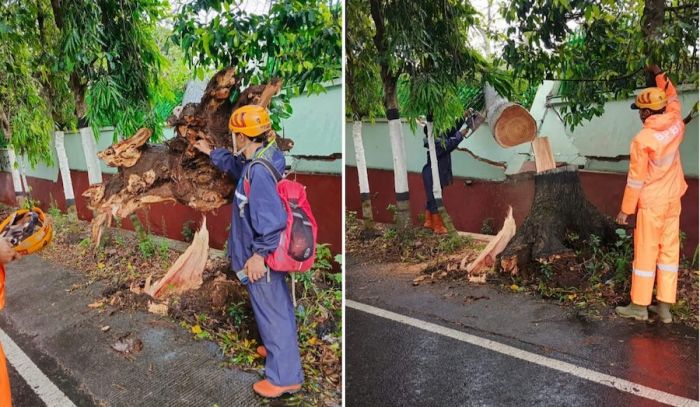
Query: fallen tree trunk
[175,171]
[559,208]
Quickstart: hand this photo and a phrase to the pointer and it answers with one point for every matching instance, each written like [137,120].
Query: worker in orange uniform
[655,185]
[7,254]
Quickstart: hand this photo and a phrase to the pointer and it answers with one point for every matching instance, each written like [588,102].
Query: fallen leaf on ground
[105,328]
[196,329]
[418,279]
[478,279]
[160,309]
[126,344]
[96,304]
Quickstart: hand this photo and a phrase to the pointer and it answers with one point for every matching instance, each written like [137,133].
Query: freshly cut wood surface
[487,257]
[544,159]
[510,123]
[186,273]
[514,126]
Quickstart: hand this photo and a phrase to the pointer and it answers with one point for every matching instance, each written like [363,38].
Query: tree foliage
[32,95]
[599,48]
[363,86]
[298,41]
[62,61]
[420,54]
[109,48]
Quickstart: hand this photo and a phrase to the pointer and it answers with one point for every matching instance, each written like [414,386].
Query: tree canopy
[599,48]
[421,54]
[363,85]
[81,60]
[298,41]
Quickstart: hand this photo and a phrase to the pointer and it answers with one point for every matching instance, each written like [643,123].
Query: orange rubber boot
[268,390]
[438,227]
[428,220]
[260,350]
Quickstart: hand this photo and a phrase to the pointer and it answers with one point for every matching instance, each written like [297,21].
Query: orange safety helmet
[650,98]
[41,236]
[250,120]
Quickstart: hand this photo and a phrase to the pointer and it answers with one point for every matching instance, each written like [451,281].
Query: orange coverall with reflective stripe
[5,397]
[655,184]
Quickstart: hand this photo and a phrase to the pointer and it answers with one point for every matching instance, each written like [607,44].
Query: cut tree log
[559,207]
[487,257]
[544,159]
[175,171]
[511,124]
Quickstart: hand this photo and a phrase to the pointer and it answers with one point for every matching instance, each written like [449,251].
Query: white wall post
[91,160]
[63,168]
[14,169]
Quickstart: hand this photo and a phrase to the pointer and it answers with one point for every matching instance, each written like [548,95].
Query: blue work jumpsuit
[256,224]
[443,150]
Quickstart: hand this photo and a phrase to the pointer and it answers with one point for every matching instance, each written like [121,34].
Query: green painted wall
[594,145]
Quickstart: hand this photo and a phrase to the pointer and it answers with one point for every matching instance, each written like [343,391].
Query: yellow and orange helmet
[250,120]
[650,98]
[38,239]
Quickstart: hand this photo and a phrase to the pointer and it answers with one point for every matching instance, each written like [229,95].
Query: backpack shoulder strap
[265,163]
[268,165]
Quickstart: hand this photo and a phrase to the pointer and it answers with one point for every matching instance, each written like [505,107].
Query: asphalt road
[390,363]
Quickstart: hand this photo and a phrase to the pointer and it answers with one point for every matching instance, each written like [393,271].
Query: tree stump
[559,207]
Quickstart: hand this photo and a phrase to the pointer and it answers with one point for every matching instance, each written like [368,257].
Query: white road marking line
[581,372]
[51,395]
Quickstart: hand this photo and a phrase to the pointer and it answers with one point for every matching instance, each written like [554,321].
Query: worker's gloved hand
[7,252]
[255,267]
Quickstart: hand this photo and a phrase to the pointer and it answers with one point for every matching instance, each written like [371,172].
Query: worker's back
[661,137]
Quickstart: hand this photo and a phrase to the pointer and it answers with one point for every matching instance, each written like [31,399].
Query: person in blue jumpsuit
[257,222]
[444,146]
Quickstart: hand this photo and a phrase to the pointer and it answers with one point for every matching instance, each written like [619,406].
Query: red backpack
[297,248]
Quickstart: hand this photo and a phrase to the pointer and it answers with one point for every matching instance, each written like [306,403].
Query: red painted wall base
[473,203]
[169,219]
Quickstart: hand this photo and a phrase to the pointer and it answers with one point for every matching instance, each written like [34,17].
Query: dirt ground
[219,311]
[591,278]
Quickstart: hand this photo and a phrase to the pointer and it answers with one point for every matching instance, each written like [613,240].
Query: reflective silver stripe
[669,134]
[642,273]
[242,204]
[242,197]
[671,268]
[665,160]
[634,183]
